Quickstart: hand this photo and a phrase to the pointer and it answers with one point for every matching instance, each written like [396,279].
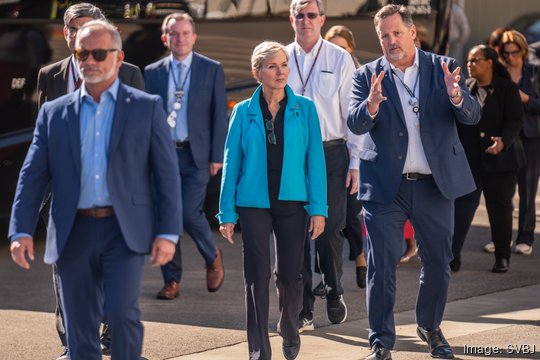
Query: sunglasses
[310,16]
[97,54]
[269,124]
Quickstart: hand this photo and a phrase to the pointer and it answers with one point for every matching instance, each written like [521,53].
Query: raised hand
[451,80]
[375,93]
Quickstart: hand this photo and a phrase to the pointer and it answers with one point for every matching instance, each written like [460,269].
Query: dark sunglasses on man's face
[97,54]
[310,16]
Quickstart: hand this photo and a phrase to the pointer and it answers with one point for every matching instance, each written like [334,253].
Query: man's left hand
[214,168]
[162,251]
[352,181]
[451,80]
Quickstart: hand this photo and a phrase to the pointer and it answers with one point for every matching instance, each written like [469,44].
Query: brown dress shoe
[215,274]
[169,291]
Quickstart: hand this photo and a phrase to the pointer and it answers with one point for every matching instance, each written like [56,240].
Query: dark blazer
[207,105]
[141,160]
[53,79]
[529,84]
[384,146]
[502,115]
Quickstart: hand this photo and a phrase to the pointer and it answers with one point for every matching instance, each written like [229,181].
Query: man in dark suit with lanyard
[58,79]
[193,91]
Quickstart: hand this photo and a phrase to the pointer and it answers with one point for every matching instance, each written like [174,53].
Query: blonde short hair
[265,51]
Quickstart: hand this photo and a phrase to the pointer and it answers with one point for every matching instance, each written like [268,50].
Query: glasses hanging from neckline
[269,125]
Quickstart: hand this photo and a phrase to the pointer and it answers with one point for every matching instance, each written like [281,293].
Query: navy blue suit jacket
[384,146]
[207,105]
[142,172]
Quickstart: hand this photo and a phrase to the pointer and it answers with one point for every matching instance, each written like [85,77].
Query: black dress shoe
[105,340]
[501,265]
[438,346]
[379,353]
[291,348]
[455,265]
[361,276]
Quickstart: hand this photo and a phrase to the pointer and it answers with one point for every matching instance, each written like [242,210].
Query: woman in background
[495,153]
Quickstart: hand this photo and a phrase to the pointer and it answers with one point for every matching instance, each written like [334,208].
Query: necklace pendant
[177,106]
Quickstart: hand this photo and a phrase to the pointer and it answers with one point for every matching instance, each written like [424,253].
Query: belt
[181,144]
[332,143]
[416,176]
[97,212]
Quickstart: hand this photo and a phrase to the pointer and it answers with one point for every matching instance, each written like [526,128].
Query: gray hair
[265,51]
[104,25]
[297,5]
[82,10]
[392,9]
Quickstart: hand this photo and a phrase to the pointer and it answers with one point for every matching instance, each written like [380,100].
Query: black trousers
[353,226]
[288,220]
[498,189]
[329,245]
[528,184]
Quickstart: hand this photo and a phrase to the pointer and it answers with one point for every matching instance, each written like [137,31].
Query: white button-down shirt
[416,160]
[329,86]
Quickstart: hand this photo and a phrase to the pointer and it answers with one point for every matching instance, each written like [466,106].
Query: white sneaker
[490,247]
[523,249]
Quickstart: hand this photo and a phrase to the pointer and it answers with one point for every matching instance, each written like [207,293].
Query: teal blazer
[245,180]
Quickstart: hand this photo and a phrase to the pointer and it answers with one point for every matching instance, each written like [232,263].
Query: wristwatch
[458,94]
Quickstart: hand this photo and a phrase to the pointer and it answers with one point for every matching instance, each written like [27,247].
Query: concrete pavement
[484,311]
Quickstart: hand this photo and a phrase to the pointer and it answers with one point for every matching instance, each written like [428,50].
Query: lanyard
[413,101]
[180,91]
[304,84]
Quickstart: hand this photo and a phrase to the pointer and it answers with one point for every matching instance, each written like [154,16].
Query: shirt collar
[112,91]
[313,51]
[415,63]
[187,61]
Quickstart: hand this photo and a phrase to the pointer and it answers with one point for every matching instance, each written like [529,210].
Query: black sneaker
[291,349]
[64,355]
[336,310]
[319,290]
[305,323]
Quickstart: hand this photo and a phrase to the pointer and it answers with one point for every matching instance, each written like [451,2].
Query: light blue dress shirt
[180,131]
[95,130]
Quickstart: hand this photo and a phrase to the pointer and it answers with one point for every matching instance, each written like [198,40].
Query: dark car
[31,36]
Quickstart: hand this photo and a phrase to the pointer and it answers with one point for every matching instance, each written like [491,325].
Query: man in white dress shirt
[323,72]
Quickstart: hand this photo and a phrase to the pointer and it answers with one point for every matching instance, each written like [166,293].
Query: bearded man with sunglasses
[107,153]
[323,72]
[58,79]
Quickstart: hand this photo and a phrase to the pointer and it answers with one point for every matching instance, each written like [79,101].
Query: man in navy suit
[412,166]
[193,91]
[107,153]
[60,78]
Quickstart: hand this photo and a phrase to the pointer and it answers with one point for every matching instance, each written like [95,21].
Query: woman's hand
[316,226]
[524,97]
[227,231]
[497,146]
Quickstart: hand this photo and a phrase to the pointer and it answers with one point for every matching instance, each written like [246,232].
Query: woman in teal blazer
[274,180]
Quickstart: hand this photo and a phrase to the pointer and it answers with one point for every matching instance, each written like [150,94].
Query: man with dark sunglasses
[323,72]
[58,79]
[106,151]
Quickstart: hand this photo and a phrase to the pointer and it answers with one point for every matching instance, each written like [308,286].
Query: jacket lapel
[120,115]
[426,71]
[196,74]
[163,81]
[74,126]
[389,87]
[254,110]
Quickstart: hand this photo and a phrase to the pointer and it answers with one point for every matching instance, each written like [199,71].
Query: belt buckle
[411,176]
